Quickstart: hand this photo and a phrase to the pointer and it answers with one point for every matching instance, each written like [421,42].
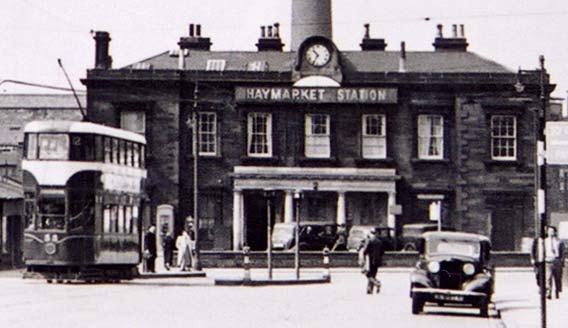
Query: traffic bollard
[246,263]
[326,263]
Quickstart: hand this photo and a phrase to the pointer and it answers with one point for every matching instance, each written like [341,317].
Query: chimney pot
[194,41]
[455,30]
[277,30]
[191,29]
[102,58]
[198,30]
[367,32]
[269,31]
[462,31]
[440,30]
[263,31]
[402,59]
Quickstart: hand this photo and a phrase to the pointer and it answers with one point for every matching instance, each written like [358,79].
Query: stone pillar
[340,217]
[238,223]
[288,206]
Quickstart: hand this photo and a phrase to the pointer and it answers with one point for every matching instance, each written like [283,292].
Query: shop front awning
[314,178]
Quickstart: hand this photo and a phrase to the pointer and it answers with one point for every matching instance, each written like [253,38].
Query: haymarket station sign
[317,95]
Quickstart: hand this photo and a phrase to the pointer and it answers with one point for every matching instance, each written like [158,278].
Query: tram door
[256,225]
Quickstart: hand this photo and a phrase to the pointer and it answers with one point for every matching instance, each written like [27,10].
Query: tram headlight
[434,266]
[50,248]
[54,237]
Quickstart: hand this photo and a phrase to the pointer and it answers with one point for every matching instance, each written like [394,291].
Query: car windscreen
[453,247]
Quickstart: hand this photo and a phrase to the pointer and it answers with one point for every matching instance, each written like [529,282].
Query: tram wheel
[49,281]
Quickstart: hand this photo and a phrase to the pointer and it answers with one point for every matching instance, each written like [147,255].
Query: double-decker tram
[84,201]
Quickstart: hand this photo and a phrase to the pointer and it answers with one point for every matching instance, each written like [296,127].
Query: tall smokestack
[310,18]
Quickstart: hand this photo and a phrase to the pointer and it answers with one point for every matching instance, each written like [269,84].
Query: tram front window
[51,213]
[53,146]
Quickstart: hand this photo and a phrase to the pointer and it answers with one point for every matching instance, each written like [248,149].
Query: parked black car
[453,269]
[314,235]
[412,234]
[358,233]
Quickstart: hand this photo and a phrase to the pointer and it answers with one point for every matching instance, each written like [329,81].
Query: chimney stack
[102,58]
[270,38]
[310,18]
[402,59]
[194,41]
[371,44]
[457,42]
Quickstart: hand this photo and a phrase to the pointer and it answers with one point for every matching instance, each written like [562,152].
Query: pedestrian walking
[371,255]
[150,252]
[341,241]
[554,260]
[184,246]
[168,247]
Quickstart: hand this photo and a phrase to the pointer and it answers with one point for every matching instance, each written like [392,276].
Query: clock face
[318,55]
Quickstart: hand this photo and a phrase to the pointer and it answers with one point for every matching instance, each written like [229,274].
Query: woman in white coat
[183,244]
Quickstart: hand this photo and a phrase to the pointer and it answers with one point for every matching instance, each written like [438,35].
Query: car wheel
[417,304]
[484,309]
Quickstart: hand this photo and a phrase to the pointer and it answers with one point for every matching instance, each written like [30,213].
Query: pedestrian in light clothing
[184,246]
[372,257]
[554,259]
[150,252]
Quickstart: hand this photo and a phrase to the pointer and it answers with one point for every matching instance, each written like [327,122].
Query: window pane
[259,134]
[207,134]
[503,137]
[115,151]
[317,140]
[107,150]
[373,136]
[430,136]
[133,121]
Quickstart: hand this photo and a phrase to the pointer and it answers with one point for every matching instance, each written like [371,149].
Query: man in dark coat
[373,251]
[150,252]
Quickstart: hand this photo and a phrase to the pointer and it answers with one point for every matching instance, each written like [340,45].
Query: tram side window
[128,154]
[107,150]
[31,146]
[115,151]
[142,156]
[99,149]
[121,219]
[122,149]
[135,211]
[114,218]
[106,219]
[128,219]
[136,155]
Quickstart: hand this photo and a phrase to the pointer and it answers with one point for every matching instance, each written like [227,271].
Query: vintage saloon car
[453,269]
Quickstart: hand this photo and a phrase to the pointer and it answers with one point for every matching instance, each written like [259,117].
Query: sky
[36,33]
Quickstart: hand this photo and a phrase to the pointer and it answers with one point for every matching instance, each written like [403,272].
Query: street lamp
[269,194]
[194,124]
[297,197]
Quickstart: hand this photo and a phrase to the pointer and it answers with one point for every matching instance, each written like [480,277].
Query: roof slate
[41,101]
[352,61]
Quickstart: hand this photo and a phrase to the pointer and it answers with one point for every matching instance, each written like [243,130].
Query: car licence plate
[445,297]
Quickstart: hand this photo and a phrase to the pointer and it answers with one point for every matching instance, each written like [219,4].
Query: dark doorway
[256,225]
[503,229]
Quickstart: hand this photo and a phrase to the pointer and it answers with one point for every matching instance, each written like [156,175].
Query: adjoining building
[373,136]
[16,110]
